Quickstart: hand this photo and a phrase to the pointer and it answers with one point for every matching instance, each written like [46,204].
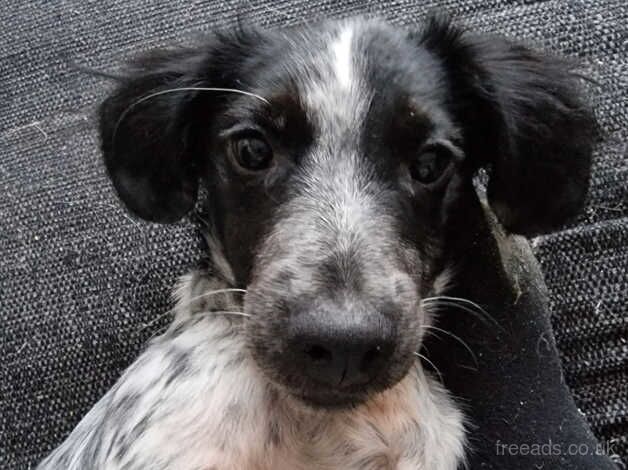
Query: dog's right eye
[431,164]
[253,153]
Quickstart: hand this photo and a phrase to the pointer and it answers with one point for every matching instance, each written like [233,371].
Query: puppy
[338,160]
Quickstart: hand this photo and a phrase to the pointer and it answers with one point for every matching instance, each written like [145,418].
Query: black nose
[340,350]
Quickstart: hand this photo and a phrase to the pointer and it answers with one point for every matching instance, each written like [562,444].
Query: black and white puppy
[337,160]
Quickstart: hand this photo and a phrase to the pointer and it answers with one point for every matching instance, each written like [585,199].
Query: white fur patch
[220,412]
[343,60]
[334,90]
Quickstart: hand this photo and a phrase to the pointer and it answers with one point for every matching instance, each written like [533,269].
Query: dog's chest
[195,400]
[206,406]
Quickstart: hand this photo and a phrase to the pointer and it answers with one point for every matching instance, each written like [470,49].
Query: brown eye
[253,153]
[430,165]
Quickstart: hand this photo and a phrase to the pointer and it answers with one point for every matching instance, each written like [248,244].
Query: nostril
[318,353]
[370,357]
[332,350]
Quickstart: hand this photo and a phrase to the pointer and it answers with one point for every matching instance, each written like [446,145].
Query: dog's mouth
[331,378]
[314,394]
[331,400]
[325,397]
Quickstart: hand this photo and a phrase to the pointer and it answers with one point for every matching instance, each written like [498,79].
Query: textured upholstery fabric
[83,286]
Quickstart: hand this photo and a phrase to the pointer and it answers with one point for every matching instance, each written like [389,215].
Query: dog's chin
[325,398]
[321,397]
[331,401]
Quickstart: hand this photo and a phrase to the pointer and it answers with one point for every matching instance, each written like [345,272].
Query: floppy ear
[144,130]
[523,119]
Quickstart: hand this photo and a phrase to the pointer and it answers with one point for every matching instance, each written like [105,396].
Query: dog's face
[335,159]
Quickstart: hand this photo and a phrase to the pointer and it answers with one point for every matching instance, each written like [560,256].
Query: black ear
[145,127]
[522,118]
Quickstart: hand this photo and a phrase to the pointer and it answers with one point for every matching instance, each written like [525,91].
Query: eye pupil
[253,153]
[429,166]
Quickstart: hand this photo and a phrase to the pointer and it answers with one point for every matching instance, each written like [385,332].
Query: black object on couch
[83,286]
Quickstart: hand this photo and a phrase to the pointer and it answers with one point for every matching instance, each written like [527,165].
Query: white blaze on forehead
[334,92]
[337,97]
[341,50]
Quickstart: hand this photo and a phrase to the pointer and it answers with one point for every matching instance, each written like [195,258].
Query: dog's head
[335,157]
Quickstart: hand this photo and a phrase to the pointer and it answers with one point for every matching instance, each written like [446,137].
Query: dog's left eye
[430,165]
[253,153]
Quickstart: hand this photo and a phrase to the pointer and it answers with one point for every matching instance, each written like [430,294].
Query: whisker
[175,90]
[457,338]
[224,312]
[421,356]
[457,305]
[207,312]
[206,294]
[457,301]
[217,291]
[185,304]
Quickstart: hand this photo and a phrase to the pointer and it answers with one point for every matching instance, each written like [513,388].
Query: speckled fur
[195,400]
[335,231]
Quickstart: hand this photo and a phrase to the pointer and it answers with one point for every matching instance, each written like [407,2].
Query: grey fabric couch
[83,286]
